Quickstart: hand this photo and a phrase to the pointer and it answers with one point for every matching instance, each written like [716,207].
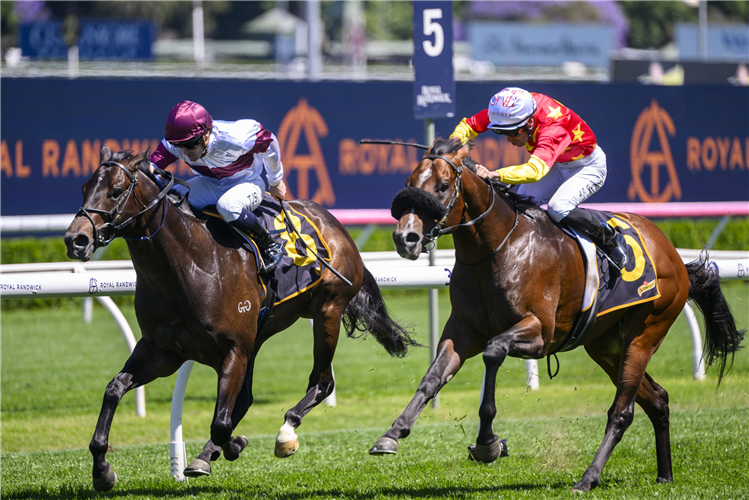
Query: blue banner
[97,40]
[662,143]
[434,86]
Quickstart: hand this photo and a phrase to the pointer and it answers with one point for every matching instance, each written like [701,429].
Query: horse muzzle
[408,243]
[80,246]
[80,240]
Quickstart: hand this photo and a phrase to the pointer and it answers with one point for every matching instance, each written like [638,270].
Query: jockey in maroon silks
[566,165]
[234,161]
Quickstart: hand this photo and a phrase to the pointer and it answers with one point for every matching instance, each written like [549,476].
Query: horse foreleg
[326,325]
[445,365]
[143,366]
[201,465]
[523,339]
[230,383]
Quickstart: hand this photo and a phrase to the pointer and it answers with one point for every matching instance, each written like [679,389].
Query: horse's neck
[169,238]
[492,229]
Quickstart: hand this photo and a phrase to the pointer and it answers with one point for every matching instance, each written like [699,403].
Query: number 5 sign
[434,86]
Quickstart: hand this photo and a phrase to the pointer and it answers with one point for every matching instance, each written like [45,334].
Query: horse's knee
[220,432]
[495,353]
[114,391]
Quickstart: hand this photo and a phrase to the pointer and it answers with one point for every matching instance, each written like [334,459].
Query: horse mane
[447,146]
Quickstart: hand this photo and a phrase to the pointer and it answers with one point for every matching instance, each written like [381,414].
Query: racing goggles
[190,144]
[509,133]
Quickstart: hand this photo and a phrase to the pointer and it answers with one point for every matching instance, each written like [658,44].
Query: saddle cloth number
[635,273]
[291,237]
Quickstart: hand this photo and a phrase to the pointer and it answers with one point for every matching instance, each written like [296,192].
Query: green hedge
[683,233]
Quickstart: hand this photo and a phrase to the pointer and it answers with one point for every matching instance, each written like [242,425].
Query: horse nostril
[81,240]
[413,238]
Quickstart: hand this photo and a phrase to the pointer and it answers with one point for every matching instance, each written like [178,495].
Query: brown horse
[192,275]
[516,290]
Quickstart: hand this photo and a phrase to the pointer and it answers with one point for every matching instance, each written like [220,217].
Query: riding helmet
[186,121]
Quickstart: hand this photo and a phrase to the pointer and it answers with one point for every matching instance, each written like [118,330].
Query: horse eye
[442,188]
[116,192]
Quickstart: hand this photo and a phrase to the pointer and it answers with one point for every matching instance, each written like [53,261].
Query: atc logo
[93,286]
[653,119]
[307,120]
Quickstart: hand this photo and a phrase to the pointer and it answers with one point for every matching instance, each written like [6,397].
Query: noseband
[107,232]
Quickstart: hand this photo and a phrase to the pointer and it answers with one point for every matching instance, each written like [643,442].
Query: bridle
[439,229]
[108,231]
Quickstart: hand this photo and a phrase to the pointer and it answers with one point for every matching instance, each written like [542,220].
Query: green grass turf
[55,369]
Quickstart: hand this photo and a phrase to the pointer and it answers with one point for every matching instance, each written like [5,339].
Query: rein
[112,218]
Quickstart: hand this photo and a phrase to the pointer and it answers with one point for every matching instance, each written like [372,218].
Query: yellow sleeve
[532,171]
[464,132]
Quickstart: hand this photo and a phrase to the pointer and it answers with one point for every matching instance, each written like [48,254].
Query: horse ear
[145,164]
[463,151]
[140,161]
[106,154]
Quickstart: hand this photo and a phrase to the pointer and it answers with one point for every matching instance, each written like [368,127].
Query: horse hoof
[488,453]
[384,446]
[235,447]
[107,481]
[197,468]
[285,450]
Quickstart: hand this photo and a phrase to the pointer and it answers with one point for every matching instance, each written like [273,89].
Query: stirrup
[271,256]
[617,252]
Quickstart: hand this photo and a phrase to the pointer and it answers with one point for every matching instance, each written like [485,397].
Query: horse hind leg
[326,325]
[627,371]
[653,399]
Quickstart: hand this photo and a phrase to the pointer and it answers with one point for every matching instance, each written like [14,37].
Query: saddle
[299,269]
[606,289]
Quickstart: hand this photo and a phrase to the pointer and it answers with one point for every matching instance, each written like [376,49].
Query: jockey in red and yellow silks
[566,165]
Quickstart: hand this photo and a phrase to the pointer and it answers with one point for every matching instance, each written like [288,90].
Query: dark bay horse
[516,290]
[192,276]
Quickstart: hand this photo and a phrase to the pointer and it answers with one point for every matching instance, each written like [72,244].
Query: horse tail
[367,312]
[722,338]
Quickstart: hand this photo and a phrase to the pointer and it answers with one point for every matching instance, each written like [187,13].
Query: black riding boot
[270,250]
[609,239]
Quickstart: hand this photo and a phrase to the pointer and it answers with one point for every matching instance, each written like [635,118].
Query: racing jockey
[566,165]
[230,160]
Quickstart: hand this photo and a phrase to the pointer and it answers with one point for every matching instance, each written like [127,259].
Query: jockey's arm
[274,168]
[469,128]
[550,144]
[531,171]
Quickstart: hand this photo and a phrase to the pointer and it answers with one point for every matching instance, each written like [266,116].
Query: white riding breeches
[566,185]
[229,197]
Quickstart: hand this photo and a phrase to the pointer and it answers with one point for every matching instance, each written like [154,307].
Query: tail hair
[722,338]
[367,313]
